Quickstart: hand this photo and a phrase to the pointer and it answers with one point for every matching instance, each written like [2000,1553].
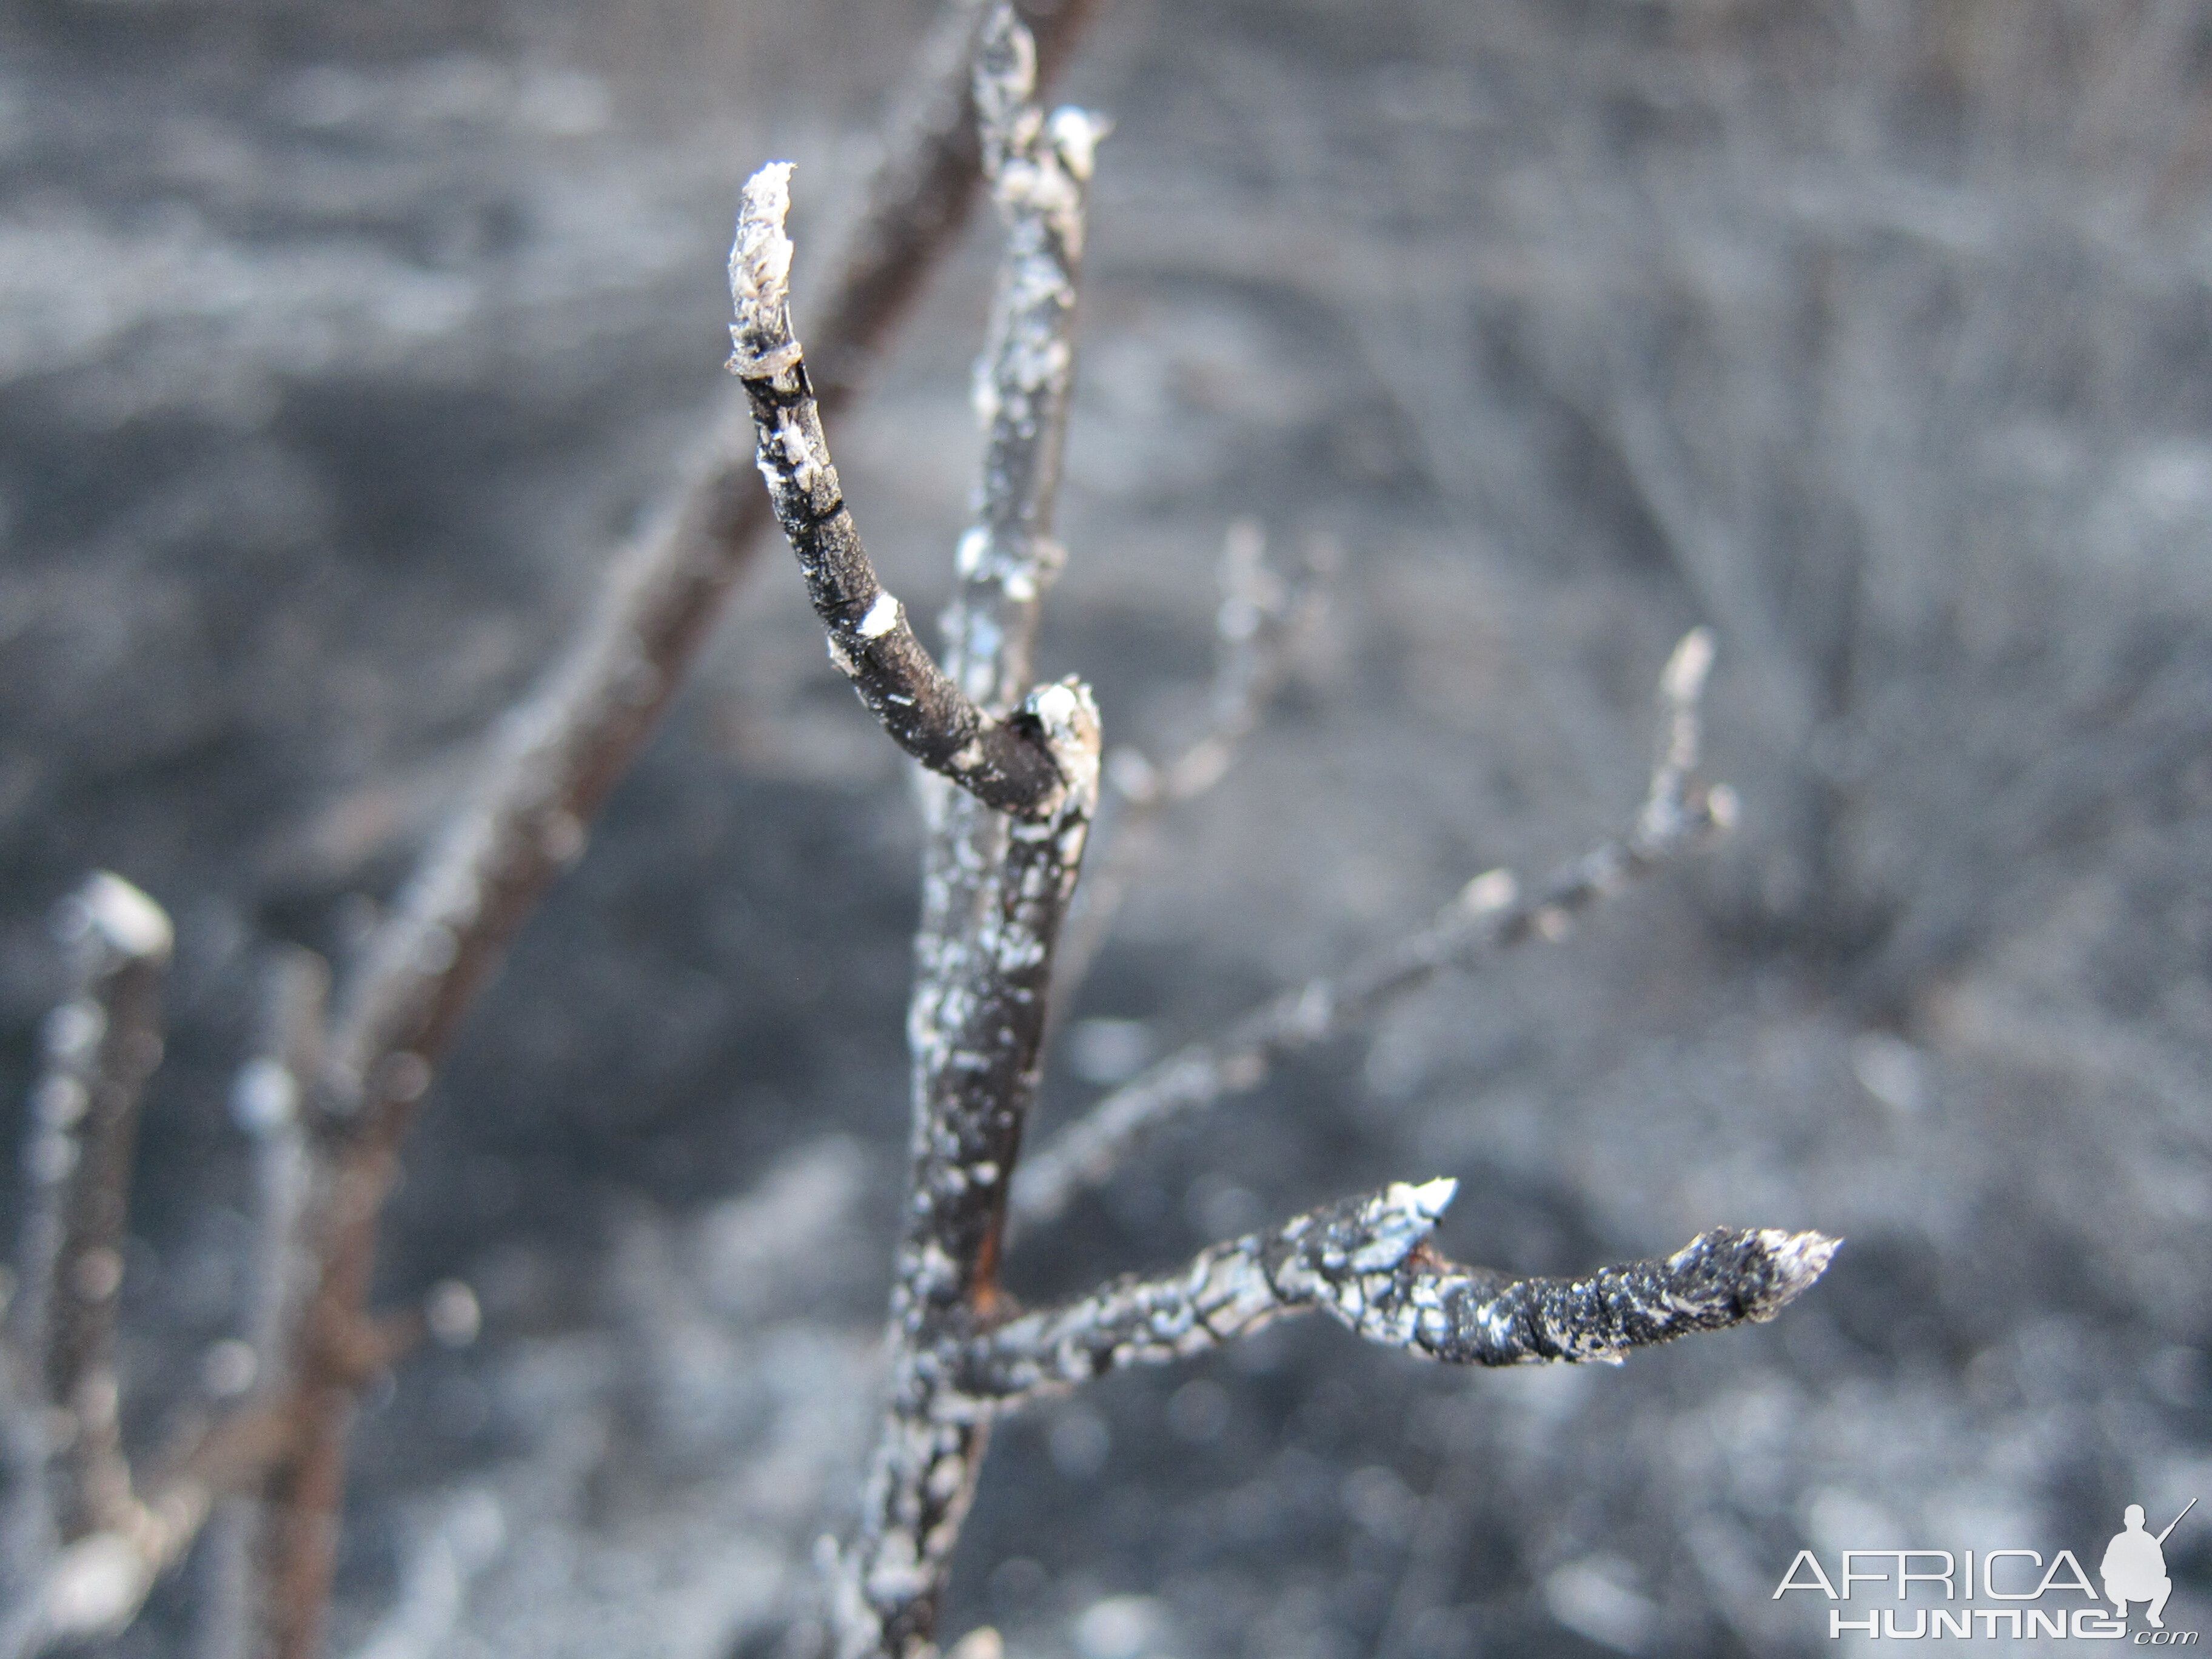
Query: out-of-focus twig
[1263,614]
[267,1102]
[1491,912]
[102,1046]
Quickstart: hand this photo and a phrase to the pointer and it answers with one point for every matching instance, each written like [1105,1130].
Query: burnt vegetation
[1505,368]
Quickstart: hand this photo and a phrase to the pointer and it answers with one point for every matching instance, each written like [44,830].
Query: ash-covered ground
[339,344]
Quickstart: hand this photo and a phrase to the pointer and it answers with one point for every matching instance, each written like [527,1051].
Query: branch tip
[1683,681]
[761,345]
[1492,890]
[1797,1262]
[119,916]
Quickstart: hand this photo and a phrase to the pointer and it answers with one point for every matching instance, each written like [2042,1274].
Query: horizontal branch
[1490,914]
[1004,763]
[1366,1262]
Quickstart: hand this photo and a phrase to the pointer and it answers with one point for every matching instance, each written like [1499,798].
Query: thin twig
[100,1581]
[1260,618]
[1001,760]
[1365,1262]
[96,1586]
[1490,914]
[994,890]
[267,1102]
[102,1046]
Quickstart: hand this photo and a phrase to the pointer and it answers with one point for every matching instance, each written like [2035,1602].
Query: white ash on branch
[1366,1262]
[1492,913]
[1004,761]
[102,1046]
[995,888]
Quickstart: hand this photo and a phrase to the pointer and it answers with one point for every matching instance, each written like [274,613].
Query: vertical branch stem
[102,1046]
[994,890]
[266,1102]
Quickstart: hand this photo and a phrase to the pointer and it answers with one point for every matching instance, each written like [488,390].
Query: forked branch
[995,888]
[552,763]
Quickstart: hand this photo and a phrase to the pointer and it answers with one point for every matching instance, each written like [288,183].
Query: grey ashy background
[337,344]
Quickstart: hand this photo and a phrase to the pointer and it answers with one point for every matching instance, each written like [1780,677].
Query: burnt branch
[994,887]
[977,1035]
[1004,763]
[1491,914]
[97,1584]
[1261,617]
[1366,1263]
[557,755]
[921,190]
[102,1046]
[267,1102]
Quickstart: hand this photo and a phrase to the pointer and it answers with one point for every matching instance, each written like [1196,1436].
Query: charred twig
[994,890]
[1490,914]
[1260,617]
[100,1581]
[267,1102]
[102,1046]
[97,1585]
[434,1584]
[1365,1262]
[918,195]
[1004,761]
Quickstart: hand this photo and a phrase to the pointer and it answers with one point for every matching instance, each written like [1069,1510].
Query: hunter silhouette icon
[2133,1569]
